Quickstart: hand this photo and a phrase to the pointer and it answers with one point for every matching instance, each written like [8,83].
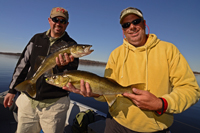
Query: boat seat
[97,127]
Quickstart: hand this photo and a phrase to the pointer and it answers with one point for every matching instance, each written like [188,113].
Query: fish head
[80,50]
[57,80]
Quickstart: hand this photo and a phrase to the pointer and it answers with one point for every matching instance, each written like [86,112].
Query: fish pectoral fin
[65,80]
[110,99]
[48,73]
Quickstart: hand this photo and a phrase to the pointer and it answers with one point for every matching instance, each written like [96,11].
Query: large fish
[99,85]
[77,50]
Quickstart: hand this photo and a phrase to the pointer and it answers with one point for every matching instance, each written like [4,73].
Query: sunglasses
[134,22]
[62,21]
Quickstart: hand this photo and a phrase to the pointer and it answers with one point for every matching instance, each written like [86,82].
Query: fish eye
[53,77]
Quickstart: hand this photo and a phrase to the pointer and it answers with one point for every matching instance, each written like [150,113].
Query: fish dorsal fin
[110,99]
[112,80]
[59,45]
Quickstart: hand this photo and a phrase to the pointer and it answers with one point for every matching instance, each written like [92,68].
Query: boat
[8,117]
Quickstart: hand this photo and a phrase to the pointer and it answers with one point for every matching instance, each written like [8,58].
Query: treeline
[7,53]
[196,72]
[81,61]
[90,62]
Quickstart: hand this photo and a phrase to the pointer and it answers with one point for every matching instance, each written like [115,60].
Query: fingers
[8,100]
[84,90]
[5,103]
[137,91]
[64,60]
[135,97]
[144,99]
[88,90]
[58,62]
[71,88]
[131,95]
[68,58]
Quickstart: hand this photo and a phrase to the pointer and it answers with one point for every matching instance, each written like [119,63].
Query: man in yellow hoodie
[171,86]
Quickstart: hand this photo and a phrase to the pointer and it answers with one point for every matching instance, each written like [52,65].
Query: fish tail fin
[110,99]
[27,86]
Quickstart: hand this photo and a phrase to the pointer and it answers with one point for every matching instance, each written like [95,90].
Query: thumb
[137,91]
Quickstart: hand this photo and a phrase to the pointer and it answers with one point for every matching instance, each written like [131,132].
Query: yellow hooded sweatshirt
[166,74]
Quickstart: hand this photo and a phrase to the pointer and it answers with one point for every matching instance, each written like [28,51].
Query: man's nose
[132,25]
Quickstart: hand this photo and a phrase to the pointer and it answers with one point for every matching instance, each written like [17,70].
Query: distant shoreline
[81,61]
[7,53]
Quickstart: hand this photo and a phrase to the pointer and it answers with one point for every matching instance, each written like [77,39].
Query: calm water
[186,122]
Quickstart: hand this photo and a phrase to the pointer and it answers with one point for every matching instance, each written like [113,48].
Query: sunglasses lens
[137,21]
[55,19]
[126,25]
[62,21]
[134,22]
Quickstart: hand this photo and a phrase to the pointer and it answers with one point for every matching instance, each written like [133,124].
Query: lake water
[186,122]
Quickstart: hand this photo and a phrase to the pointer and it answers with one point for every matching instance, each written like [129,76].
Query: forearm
[181,99]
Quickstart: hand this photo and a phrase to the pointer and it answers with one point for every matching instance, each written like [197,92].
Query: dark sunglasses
[134,22]
[62,21]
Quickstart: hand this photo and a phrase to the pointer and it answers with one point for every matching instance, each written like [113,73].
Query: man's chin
[58,33]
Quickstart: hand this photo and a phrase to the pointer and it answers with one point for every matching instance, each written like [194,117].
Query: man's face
[57,28]
[135,34]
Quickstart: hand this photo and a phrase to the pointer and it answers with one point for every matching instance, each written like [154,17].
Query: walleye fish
[99,85]
[77,50]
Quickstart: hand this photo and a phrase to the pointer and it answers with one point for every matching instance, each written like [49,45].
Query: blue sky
[96,22]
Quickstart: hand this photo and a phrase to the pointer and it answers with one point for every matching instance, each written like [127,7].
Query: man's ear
[67,23]
[146,26]
[123,33]
[49,19]
[144,21]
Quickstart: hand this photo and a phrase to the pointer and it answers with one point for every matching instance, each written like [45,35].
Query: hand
[144,100]
[62,62]
[84,90]
[8,100]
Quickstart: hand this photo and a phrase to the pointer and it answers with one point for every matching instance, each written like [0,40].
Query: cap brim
[58,15]
[130,12]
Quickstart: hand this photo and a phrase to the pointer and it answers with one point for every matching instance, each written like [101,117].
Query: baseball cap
[130,10]
[59,11]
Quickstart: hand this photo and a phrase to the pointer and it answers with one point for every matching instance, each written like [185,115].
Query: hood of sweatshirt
[151,42]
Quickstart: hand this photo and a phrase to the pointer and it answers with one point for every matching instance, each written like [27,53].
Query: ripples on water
[188,121]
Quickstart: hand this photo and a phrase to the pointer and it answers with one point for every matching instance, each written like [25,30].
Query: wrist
[164,106]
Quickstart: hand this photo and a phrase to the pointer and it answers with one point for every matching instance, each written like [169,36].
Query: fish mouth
[88,50]
[85,50]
